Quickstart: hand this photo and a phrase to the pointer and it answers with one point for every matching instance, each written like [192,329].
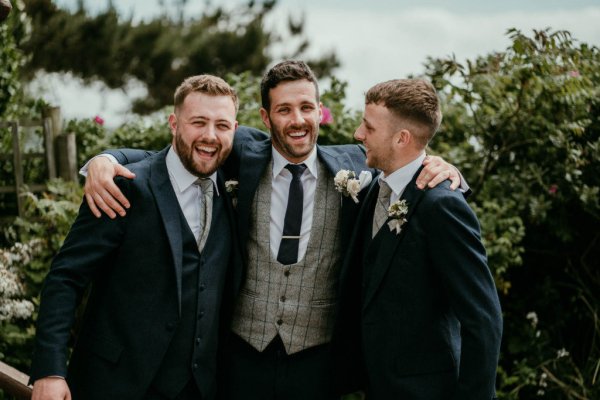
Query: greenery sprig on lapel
[231,187]
[398,212]
[348,185]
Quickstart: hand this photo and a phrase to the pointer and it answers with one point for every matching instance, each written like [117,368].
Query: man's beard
[186,155]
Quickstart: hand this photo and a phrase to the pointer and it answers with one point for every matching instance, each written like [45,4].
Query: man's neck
[403,161]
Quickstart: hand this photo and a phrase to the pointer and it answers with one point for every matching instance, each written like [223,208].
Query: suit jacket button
[200,314]
[202,287]
[195,366]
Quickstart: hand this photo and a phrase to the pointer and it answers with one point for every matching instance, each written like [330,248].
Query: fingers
[124,172]
[107,204]
[455,178]
[92,205]
[115,199]
[439,178]
[436,171]
[101,192]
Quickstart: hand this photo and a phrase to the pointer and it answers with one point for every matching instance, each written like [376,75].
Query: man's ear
[264,114]
[403,137]
[173,123]
[320,112]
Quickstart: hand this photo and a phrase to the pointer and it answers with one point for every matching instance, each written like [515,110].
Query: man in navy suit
[430,317]
[285,313]
[161,278]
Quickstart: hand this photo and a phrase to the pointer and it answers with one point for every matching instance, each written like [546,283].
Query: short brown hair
[285,71]
[412,100]
[206,84]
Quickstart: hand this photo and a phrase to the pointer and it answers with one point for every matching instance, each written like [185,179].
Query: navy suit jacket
[135,266]
[430,316]
[251,155]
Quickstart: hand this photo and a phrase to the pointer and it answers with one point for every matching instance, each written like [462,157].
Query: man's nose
[209,133]
[297,117]
[358,135]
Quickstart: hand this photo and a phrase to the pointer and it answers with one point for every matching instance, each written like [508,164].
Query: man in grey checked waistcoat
[295,227]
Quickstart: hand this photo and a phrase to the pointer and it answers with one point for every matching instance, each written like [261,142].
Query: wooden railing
[14,382]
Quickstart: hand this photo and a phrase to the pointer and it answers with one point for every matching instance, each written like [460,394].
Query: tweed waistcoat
[296,301]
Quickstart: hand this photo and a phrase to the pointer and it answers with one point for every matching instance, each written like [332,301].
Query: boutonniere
[348,185]
[397,211]
[231,187]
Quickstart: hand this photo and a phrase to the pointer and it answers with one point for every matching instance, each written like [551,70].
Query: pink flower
[553,189]
[327,117]
[574,74]
[98,119]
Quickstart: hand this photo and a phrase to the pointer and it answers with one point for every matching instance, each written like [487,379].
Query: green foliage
[523,125]
[11,60]
[247,87]
[159,53]
[144,133]
[345,121]
[47,220]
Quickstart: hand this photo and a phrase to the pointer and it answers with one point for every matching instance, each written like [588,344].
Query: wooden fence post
[14,382]
[17,165]
[66,157]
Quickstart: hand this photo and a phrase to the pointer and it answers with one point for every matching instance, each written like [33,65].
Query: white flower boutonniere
[347,184]
[231,187]
[397,211]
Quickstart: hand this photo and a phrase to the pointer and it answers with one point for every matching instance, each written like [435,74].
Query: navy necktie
[288,248]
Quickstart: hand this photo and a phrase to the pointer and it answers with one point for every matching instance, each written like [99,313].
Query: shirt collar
[180,176]
[279,162]
[400,178]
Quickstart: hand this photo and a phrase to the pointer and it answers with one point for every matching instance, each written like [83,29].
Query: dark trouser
[189,392]
[274,375]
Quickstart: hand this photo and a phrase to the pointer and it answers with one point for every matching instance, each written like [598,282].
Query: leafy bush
[36,239]
[523,125]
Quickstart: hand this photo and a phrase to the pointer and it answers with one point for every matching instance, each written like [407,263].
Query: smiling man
[159,275]
[294,228]
[429,313]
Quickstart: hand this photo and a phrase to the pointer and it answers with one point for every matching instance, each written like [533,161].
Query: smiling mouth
[298,134]
[207,151]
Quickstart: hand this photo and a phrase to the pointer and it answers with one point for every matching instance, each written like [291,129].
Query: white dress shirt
[280,185]
[188,194]
[400,178]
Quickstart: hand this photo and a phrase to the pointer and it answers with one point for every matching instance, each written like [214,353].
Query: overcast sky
[375,40]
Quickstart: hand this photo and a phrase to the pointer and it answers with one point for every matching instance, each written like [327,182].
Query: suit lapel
[254,159]
[236,272]
[387,241]
[334,162]
[168,207]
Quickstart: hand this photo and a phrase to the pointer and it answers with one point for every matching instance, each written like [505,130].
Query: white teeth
[297,134]
[206,149]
